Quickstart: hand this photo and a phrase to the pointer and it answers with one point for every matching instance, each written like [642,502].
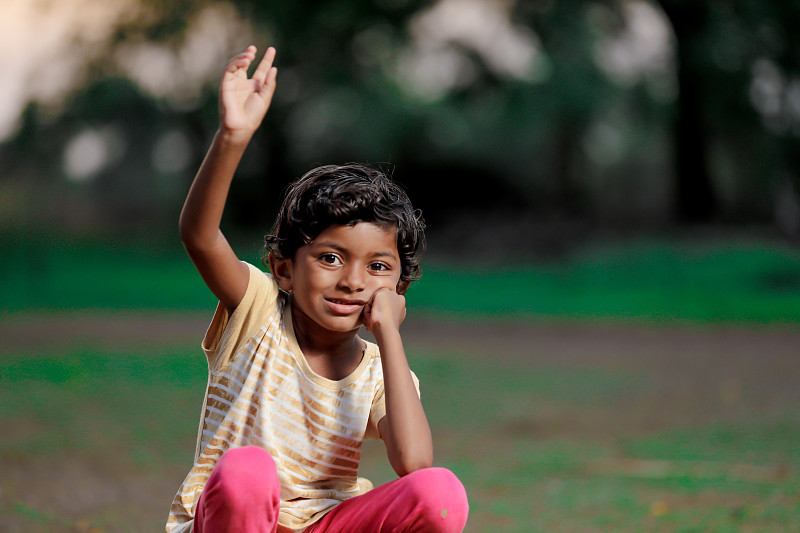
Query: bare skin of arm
[243,104]
[404,429]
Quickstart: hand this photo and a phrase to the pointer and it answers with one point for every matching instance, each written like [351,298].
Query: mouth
[345,306]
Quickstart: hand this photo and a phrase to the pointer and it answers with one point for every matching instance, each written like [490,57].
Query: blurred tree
[721,48]
[504,106]
[694,193]
[569,99]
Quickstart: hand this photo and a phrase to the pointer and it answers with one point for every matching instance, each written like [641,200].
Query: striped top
[262,392]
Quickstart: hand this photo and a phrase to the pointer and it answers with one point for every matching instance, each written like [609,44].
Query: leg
[242,494]
[431,500]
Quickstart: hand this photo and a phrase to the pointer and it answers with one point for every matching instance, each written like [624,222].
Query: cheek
[390,282]
[382,282]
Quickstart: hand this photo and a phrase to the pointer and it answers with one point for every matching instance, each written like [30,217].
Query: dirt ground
[694,376]
[702,373]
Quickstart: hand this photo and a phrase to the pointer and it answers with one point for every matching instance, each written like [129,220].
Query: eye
[330,259]
[379,267]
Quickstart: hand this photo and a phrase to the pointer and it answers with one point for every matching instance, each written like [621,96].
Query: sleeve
[378,410]
[227,333]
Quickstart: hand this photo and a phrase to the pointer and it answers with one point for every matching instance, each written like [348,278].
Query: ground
[622,384]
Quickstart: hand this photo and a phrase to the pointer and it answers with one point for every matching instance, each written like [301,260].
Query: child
[293,390]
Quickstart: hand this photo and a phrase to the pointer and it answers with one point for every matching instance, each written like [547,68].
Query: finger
[250,51]
[242,60]
[272,76]
[267,89]
[365,316]
[236,68]
[265,68]
[380,290]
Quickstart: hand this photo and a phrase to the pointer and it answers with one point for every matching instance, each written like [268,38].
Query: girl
[293,390]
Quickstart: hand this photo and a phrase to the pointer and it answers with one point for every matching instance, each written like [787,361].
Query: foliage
[724,282]
[707,127]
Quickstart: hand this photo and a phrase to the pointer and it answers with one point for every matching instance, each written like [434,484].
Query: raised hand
[244,101]
[385,309]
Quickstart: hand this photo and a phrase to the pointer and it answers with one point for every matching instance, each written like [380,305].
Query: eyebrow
[345,250]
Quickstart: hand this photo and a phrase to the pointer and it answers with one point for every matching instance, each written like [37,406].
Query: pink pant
[243,496]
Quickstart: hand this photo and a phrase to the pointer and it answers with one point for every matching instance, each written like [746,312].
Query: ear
[282,271]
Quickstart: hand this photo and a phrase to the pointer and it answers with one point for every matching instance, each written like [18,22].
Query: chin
[342,324]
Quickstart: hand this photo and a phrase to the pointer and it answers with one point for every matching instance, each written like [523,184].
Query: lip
[345,306]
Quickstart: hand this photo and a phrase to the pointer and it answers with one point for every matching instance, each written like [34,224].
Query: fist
[385,309]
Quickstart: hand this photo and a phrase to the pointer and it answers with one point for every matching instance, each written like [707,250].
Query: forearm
[202,212]
[243,104]
[405,428]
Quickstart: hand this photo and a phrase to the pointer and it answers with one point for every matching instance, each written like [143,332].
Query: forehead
[366,238]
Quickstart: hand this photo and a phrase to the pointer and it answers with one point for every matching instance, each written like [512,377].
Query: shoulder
[374,366]
[261,304]
[259,277]
[262,289]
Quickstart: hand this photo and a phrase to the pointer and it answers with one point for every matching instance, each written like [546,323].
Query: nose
[352,278]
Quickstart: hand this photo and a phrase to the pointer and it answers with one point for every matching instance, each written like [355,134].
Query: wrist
[234,138]
[384,332]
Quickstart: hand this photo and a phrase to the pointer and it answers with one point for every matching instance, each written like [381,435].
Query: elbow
[190,244]
[407,465]
[409,449]
[190,237]
[186,232]
[421,465]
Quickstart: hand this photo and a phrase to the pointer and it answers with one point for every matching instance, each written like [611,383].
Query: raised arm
[243,102]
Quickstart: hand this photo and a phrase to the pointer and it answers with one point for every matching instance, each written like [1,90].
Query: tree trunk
[694,199]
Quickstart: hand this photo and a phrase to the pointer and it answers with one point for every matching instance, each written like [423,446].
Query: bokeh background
[608,313]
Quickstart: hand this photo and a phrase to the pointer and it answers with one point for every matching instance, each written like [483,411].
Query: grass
[109,407]
[733,282]
[738,475]
[730,282]
[82,400]
[119,424]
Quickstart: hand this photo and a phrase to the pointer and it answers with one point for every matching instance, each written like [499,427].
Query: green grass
[732,282]
[508,429]
[87,400]
[64,274]
[139,412]
[523,476]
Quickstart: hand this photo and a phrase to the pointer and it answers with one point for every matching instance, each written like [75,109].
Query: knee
[243,477]
[440,499]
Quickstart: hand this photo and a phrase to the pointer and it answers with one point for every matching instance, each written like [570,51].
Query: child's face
[336,275]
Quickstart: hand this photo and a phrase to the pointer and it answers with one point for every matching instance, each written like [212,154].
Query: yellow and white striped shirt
[262,392]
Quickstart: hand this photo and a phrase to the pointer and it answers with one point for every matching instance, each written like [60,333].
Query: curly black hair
[346,195]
